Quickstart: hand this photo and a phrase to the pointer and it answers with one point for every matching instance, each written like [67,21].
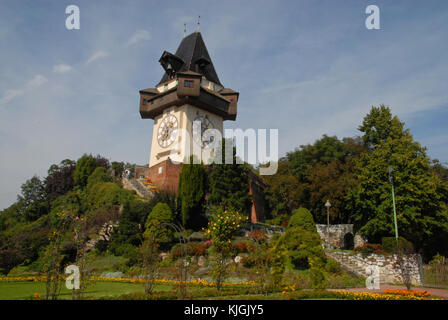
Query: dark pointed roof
[195,57]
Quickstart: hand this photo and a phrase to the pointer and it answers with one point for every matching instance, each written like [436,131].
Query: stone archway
[349,241]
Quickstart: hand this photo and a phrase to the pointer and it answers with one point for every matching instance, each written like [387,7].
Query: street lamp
[391,180]
[328,205]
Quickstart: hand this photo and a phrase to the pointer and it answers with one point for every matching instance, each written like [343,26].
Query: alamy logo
[72,22]
[373,277]
[257,150]
[73,280]
[373,20]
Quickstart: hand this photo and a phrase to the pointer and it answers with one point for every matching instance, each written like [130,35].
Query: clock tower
[188,100]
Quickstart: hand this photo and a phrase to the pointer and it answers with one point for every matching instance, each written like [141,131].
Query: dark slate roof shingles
[190,50]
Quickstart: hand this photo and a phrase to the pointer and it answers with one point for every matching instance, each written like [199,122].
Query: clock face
[200,125]
[168,131]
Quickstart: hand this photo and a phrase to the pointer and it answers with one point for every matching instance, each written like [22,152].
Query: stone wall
[389,268]
[340,235]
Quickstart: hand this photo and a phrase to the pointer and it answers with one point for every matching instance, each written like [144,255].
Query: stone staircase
[350,263]
[347,261]
[135,184]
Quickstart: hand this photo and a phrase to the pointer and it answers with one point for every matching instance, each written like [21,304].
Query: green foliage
[229,184]
[21,243]
[100,174]
[304,248]
[107,194]
[369,248]
[84,168]
[72,203]
[160,214]
[312,174]
[333,266]
[223,224]
[390,245]
[279,258]
[284,191]
[331,181]
[302,218]
[33,199]
[59,180]
[303,242]
[379,126]
[129,229]
[323,151]
[221,227]
[118,168]
[128,251]
[317,279]
[191,193]
[421,213]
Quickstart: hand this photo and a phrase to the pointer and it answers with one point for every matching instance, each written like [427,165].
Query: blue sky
[304,67]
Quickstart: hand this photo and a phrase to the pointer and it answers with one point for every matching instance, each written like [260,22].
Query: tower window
[188,84]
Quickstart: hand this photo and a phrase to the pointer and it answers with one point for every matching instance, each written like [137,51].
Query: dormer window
[188,84]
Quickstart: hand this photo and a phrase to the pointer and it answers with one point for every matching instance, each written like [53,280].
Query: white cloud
[35,82]
[97,55]
[61,68]
[140,35]
[9,95]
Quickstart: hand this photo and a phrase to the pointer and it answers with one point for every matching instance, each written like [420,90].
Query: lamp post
[328,205]
[391,180]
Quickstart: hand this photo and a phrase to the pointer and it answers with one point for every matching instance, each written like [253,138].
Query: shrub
[304,248]
[249,261]
[101,246]
[369,248]
[244,246]
[197,249]
[257,235]
[389,245]
[105,195]
[177,251]
[161,213]
[84,168]
[332,266]
[100,174]
[317,279]
[302,218]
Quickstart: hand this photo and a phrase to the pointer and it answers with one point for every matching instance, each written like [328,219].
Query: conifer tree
[229,184]
[191,192]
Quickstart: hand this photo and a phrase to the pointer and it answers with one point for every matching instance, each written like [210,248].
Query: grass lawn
[19,290]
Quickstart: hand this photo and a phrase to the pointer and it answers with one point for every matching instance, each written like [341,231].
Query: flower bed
[391,295]
[415,293]
[199,283]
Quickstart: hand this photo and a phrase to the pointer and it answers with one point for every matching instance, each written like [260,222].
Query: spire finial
[199,23]
[185,30]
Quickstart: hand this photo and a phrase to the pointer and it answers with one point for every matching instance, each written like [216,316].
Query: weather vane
[185,30]
[199,23]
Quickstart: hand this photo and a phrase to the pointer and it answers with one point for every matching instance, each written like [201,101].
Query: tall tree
[60,179]
[191,193]
[379,125]
[84,168]
[323,151]
[421,213]
[33,199]
[229,184]
[284,192]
